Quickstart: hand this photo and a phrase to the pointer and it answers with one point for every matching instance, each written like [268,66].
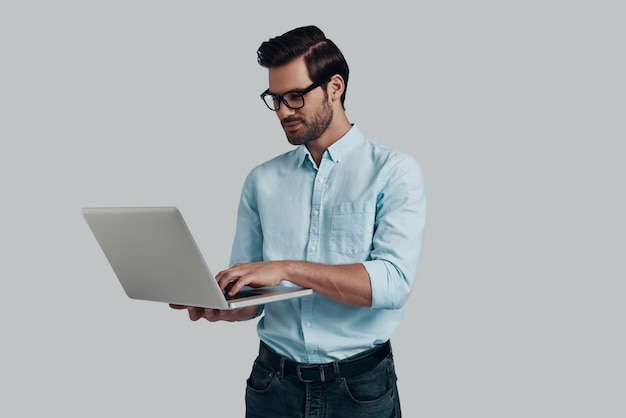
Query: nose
[284,111]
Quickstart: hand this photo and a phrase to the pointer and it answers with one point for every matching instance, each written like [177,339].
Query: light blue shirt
[365,203]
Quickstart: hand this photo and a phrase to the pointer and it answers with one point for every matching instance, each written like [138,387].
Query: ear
[336,87]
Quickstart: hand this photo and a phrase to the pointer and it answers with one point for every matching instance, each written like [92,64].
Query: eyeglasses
[292,99]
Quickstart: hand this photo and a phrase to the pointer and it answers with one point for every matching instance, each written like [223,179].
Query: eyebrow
[287,92]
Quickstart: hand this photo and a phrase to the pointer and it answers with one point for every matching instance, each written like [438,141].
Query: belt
[327,372]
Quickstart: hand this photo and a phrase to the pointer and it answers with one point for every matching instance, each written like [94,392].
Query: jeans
[371,394]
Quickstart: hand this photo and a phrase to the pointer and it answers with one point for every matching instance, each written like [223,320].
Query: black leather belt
[327,372]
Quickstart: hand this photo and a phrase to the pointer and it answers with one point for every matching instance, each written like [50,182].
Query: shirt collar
[336,151]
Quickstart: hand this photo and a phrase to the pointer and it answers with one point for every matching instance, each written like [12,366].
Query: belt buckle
[319,367]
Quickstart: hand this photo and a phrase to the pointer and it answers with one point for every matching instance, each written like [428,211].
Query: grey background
[515,111]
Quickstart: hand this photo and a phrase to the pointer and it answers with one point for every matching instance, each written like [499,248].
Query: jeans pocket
[375,386]
[261,378]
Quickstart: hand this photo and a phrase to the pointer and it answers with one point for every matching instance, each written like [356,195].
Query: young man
[339,214]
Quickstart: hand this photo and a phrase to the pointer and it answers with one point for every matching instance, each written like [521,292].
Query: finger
[195,313]
[226,279]
[212,315]
[237,286]
[173,306]
[229,287]
[231,274]
[227,275]
[215,315]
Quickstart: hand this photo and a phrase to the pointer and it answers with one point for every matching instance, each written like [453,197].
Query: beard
[312,128]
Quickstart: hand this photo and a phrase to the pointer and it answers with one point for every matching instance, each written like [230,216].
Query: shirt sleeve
[248,241]
[398,236]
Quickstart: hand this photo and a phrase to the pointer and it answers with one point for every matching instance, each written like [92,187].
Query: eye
[293,96]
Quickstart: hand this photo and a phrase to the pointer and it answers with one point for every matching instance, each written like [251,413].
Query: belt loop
[322,374]
[282,366]
[337,372]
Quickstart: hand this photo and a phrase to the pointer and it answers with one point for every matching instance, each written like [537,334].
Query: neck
[337,129]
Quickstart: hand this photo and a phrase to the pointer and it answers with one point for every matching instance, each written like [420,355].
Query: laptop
[155,258]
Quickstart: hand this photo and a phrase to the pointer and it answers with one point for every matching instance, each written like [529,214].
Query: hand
[214,315]
[260,274]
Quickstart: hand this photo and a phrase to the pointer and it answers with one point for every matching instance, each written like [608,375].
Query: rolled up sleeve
[399,233]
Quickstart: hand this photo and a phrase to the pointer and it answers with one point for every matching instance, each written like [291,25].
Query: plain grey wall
[515,110]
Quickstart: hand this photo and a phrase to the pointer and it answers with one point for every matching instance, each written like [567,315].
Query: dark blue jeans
[373,394]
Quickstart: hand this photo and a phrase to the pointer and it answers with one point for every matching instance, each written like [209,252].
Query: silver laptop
[155,258]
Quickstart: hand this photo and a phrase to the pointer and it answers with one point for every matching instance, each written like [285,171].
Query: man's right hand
[214,315]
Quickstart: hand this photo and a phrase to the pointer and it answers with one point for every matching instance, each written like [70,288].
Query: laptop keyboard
[242,294]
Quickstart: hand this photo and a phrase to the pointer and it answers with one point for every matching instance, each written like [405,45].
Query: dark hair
[321,55]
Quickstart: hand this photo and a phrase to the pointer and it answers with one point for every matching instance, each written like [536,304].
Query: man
[339,214]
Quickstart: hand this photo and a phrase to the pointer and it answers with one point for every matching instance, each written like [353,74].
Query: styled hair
[321,55]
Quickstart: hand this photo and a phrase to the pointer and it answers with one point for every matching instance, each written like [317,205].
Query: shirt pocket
[352,227]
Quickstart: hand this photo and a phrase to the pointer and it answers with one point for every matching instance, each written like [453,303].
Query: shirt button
[312,249]
[315,213]
[320,180]
[312,352]
[307,324]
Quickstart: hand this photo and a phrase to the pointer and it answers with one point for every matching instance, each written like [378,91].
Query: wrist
[255,311]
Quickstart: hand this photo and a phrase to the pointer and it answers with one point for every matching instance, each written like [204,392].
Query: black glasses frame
[280,98]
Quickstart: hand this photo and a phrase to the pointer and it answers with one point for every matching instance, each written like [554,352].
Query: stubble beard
[313,128]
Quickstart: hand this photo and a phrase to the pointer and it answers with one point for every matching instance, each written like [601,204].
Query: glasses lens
[271,102]
[294,100]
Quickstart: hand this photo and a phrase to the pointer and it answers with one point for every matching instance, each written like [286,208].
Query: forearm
[347,283]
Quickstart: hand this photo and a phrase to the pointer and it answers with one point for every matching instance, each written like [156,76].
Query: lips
[292,126]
